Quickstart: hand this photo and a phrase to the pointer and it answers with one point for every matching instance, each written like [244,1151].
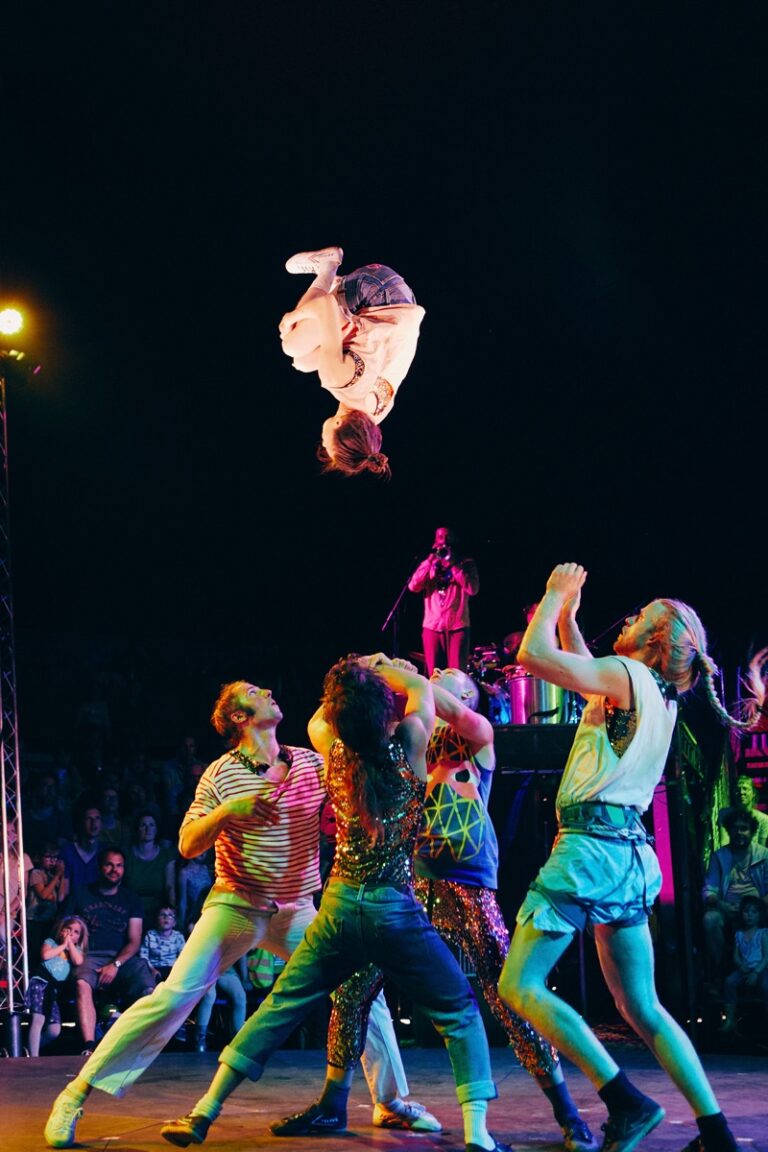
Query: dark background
[577,195]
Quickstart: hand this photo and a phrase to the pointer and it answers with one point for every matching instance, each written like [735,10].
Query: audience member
[80,855]
[113,916]
[65,947]
[114,830]
[14,882]
[175,777]
[194,880]
[45,816]
[44,894]
[747,802]
[150,868]
[232,985]
[739,869]
[750,959]
[162,945]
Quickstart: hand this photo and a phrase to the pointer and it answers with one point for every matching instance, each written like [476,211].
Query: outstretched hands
[380,659]
[567,580]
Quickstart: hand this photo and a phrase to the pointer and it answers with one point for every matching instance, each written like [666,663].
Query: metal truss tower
[14,973]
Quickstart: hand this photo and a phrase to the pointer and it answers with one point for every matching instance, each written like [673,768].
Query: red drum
[534,701]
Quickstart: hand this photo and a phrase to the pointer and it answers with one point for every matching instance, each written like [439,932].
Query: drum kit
[517,697]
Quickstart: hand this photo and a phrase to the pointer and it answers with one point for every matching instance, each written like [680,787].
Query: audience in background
[80,855]
[45,891]
[113,916]
[66,946]
[737,870]
[747,802]
[114,830]
[750,960]
[150,867]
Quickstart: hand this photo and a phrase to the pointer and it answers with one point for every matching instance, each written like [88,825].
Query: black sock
[715,1133]
[333,1099]
[619,1095]
[562,1103]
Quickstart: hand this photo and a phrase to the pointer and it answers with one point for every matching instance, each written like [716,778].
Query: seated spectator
[737,870]
[46,883]
[114,830]
[139,796]
[163,944]
[46,816]
[232,985]
[195,880]
[81,854]
[66,946]
[113,916]
[747,802]
[150,868]
[14,883]
[176,774]
[750,959]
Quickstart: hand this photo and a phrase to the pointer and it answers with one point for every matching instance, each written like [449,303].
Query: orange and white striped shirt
[270,861]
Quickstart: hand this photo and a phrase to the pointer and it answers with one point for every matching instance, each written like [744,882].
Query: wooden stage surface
[521,1116]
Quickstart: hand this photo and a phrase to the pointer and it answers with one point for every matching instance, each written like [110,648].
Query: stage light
[11,321]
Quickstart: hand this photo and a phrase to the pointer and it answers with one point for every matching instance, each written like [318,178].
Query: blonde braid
[683,657]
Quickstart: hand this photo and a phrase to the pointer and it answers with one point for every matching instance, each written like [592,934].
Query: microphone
[591,643]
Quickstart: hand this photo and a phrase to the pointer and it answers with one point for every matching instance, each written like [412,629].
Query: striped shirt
[162,951]
[269,861]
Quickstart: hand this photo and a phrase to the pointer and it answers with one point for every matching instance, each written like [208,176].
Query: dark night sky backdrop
[577,195]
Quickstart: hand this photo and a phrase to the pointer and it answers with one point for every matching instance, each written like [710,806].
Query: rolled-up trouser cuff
[476,1090]
[240,1063]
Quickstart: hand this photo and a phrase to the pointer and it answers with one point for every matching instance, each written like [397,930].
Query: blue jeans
[374,286]
[386,926]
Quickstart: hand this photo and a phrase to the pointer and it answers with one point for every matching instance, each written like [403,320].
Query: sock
[715,1133]
[325,277]
[619,1095]
[333,1099]
[208,1106]
[563,1105]
[76,1095]
[475,1131]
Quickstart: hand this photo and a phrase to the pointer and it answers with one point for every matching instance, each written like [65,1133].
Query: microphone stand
[392,615]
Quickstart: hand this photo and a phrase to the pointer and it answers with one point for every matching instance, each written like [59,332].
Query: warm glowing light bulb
[11,321]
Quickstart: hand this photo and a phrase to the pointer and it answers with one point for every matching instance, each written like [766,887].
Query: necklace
[258,766]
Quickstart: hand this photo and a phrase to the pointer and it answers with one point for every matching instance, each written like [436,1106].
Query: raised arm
[540,655]
[571,639]
[470,725]
[320,733]
[424,574]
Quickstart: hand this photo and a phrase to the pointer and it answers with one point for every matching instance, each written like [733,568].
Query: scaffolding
[13,923]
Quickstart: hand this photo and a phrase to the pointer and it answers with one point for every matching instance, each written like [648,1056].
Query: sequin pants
[469,918]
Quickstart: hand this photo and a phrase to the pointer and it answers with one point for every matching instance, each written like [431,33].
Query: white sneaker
[310,263]
[405,1114]
[60,1129]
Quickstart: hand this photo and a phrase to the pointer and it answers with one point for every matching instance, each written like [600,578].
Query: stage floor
[521,1115]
